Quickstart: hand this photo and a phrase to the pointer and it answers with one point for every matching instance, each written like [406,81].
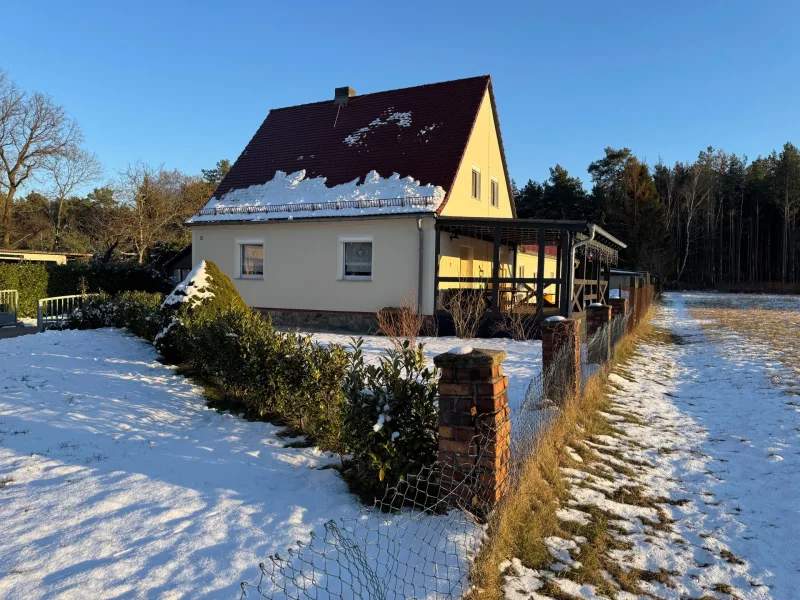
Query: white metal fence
[9,307]
[54,312]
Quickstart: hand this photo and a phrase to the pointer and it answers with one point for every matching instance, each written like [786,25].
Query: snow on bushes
[202,295]
[136,311]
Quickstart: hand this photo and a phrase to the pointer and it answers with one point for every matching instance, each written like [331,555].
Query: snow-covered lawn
[523,359]
[120,482]
[700,484]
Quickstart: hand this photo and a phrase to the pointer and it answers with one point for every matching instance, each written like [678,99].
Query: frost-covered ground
[118,481]
[699,485]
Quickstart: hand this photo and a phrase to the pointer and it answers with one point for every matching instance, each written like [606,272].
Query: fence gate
[55,311]
[9,305]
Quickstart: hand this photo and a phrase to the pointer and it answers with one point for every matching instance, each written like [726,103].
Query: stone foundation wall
[355,322]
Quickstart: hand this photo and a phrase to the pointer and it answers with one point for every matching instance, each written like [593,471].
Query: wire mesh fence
[419,539]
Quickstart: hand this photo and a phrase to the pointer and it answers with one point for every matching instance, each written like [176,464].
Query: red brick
[464,434]
[446,432]
[491,387]
[455,389]
[457,419]
[461,448]
[491,403]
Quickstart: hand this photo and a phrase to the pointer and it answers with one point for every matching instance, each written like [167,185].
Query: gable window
[356,258]
[476,183]
[251,260]
[495,196]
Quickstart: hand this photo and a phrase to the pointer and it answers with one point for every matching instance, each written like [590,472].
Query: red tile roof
[426,144]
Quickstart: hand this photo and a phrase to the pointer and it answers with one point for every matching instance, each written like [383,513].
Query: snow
[193,289]
[123,483]
[461,350]
[523,358]
[555,319]
[307,197]
[359,136]
[712,415]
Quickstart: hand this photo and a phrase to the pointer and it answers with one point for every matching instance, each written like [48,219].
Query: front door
[465,267]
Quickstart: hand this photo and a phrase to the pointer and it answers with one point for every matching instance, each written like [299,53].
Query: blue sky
[187,83]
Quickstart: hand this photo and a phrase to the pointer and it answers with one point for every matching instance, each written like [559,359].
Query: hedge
[38,280]
[29,279]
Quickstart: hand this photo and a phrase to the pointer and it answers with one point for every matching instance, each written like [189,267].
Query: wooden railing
[9,306]
[55,311]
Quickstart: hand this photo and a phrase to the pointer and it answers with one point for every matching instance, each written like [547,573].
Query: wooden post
[437,244]
[540,235]
[495,309]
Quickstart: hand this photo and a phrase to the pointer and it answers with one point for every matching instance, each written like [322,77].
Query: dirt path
[694,493]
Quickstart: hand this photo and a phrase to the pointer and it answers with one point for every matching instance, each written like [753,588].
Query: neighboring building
[339,208]
[178,267]
[59,258]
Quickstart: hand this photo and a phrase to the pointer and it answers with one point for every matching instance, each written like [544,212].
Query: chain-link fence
[419,539]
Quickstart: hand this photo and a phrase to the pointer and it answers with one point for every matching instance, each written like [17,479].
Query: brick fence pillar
[618,307]
[474,427]
[598,315]
[561,357]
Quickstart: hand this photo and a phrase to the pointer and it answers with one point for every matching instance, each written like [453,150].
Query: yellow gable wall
[483,151]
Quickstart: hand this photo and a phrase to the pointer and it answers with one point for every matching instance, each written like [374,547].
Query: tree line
[45,171]
[720,219]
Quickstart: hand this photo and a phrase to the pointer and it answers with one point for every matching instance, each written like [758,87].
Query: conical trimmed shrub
[203,295]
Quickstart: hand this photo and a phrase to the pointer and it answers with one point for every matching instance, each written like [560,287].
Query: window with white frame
[356,258]
[495,195]
[251,260]
[476,183]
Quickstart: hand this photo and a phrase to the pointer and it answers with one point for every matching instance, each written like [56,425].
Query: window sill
[250,278]
[355,279]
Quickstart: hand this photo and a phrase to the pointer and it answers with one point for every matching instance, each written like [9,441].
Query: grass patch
[527,513]
[4,481]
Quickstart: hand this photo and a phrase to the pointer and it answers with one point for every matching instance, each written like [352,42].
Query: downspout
[575,246]
[421,261]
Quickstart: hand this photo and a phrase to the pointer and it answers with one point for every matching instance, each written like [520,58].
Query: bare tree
[68,172]
[155,205]
[33,129]
[694,191]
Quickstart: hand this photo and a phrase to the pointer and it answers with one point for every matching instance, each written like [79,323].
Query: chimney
[343,94]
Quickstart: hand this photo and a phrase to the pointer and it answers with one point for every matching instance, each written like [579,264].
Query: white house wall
[302,263]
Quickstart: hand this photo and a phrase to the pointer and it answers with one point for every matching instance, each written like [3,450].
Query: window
[251,261]
[476,183]
[495,192]
[356,259]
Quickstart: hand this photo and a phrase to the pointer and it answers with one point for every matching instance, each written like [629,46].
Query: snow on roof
[402,119]
[195,288]
[296,196]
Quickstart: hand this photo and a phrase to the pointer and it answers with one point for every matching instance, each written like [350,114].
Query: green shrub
[283,376]
[390,417]
[137,311]
[30,279]
[111,277]
[202,296]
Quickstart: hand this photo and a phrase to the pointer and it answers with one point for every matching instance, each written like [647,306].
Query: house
[178,267]
[339,208]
